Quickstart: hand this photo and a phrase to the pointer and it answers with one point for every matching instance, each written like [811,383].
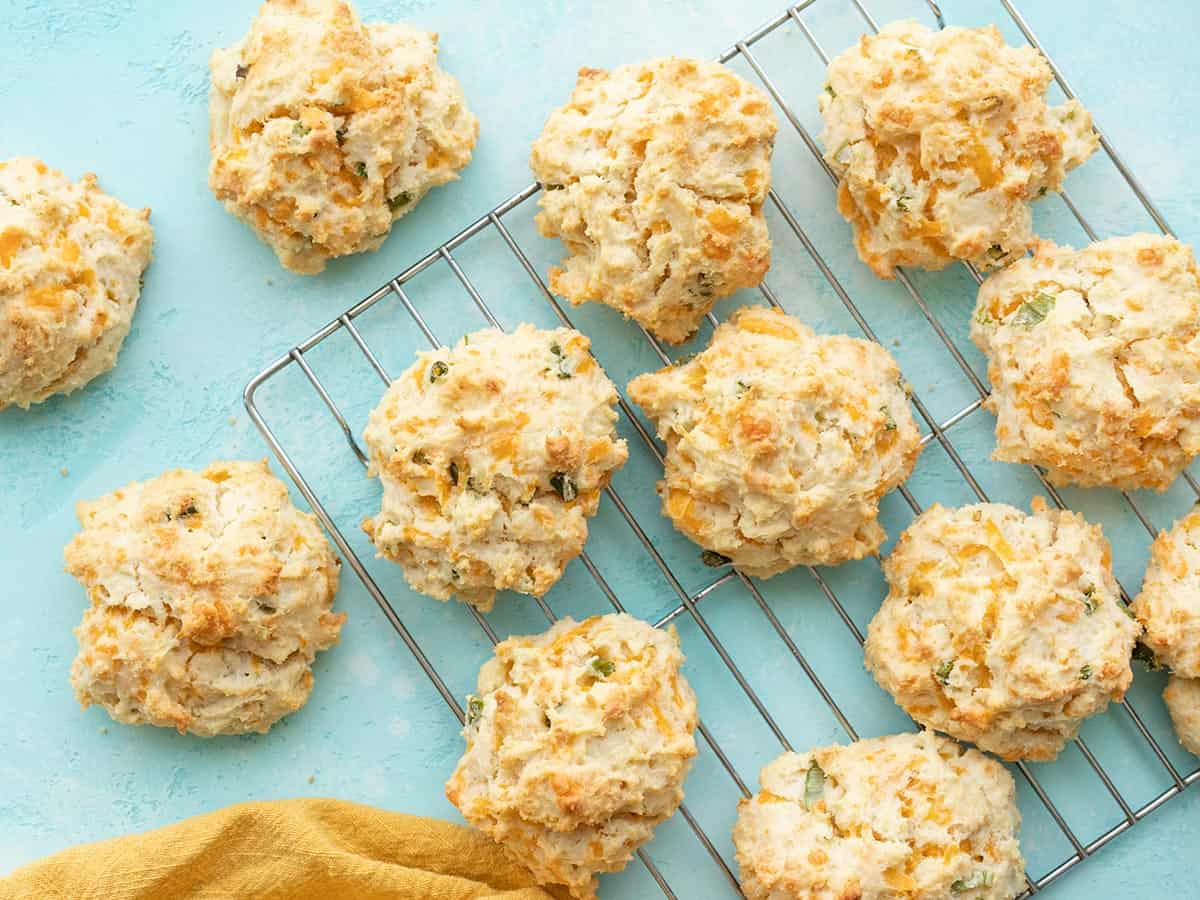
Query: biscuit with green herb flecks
[492,456]
[324,131]
[210,597]
[780,443]
[1002,628]
[655,176]
[940,141]
[890,818]
[1094,360]
[577,746]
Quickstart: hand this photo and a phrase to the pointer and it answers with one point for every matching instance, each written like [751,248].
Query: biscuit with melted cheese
[940,140]
[492,456]
[1002,628]
[577,746]
[891,818]
[325,130]
[71,263]
[781,442]
[655,175]
[210,597]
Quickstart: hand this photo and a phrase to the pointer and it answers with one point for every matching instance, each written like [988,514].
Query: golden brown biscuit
[781,442]
[940,140]
[324,130]
[655,176]
[211,595]
[71,263]
[492,457]
[1002,629]
[577,746]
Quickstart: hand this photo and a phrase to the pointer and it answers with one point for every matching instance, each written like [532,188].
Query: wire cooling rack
[1060,829]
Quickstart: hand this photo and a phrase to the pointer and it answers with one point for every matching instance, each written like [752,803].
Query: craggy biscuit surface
[492,457]
[1168,605]
[655,175]
[940,141]
[577,746]
[325,130]
[211,595]
[71,262]
[1094,360]
[891,818]
[781,442]
[1002,628]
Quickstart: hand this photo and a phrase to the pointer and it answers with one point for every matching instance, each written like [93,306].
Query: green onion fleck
[1089,601]
[400,201]
[360,169]
[300,129]
[602,667]
[241,71]
[742,387]
[814,784]
[830,91]
[453,473]
[1033,312]
[438,370]
[564,486]
[902,202]
[996,251]
[714,560]
[340,134]
[420,458]
[942,672]
[1085,673]
[980,878]
[889,421]
[474,709]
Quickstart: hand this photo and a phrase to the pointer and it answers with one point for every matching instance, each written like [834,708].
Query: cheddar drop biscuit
[655,176]
[577,746]
[71,263]
[1002,629]
[940,140]
[492,456]
[1094,359]
[325,130]
[1169,603]
[781,442]
[891,818]
[211,595]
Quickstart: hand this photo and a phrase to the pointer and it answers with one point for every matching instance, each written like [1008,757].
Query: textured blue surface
[119,87]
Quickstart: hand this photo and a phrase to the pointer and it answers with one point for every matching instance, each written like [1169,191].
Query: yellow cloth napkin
[310,849]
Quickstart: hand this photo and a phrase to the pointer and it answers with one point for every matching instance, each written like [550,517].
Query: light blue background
[119,87]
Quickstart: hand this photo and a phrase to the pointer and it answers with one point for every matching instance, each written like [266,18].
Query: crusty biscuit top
[655,175]
[1002,628]
[210,597]
[71,262]
[324,130]
[1094,359]
[1169,603]
[781,442]
[577,746]
[493,455]
[892,818]
[940,140]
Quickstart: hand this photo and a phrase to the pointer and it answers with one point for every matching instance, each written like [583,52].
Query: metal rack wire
[689,603]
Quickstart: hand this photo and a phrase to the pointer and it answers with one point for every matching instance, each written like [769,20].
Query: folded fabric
[310,849]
